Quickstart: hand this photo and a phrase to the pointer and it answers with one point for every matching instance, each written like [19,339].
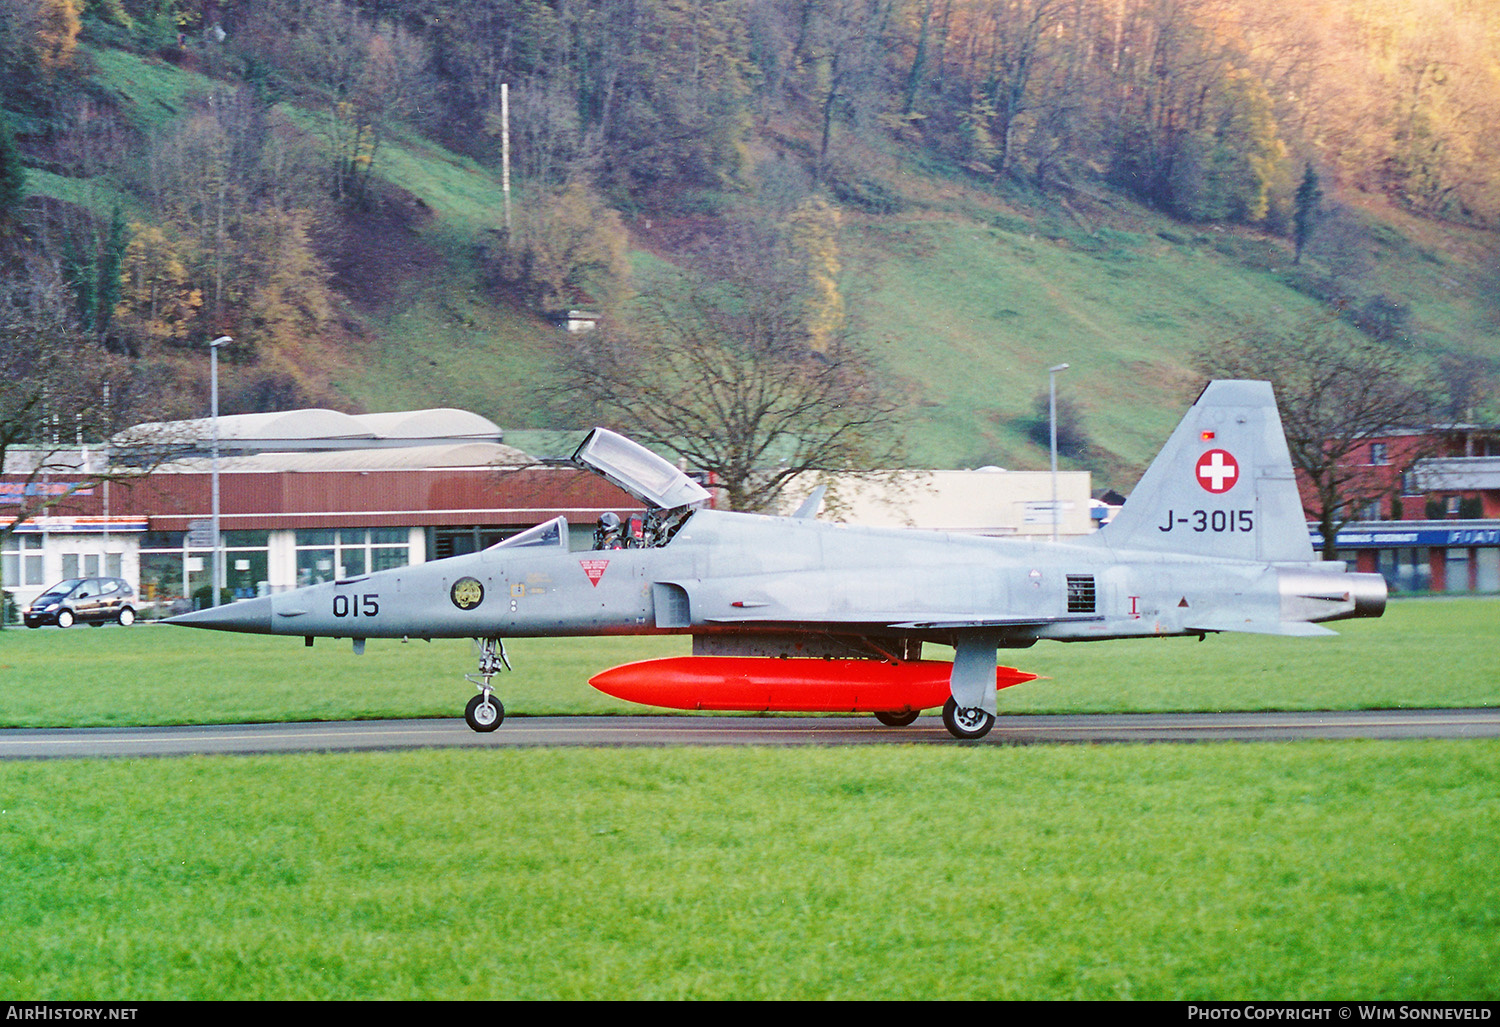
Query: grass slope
[970,298]
[974,316]
[968,295]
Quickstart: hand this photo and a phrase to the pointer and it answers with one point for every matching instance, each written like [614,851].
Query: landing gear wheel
[484,713]
[65,618]
[890,719]
[966,723]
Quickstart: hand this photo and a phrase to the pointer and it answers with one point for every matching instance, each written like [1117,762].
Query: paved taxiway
[351,736]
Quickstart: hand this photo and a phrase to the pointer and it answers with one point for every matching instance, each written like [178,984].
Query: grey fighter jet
[789,613]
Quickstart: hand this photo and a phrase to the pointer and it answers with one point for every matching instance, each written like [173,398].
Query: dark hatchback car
[82,600]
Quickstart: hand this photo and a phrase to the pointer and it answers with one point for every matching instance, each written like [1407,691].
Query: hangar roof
[403,458]
[313,430]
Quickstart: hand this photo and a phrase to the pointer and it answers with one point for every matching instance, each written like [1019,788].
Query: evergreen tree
[1305,214]
[111,260]
[12,175]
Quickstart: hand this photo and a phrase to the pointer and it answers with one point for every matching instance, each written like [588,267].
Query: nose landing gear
[484,712]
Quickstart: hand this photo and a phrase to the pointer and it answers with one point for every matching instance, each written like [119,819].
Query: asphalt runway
[375,735]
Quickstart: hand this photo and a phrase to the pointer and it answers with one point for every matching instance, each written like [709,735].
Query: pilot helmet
[609,520]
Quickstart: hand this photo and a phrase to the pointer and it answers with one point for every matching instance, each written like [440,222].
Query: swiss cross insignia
[1217,471]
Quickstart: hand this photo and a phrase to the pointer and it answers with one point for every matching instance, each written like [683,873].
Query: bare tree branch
[59,392]
[720,367]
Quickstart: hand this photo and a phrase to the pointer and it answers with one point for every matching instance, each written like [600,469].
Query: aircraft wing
[903,621]
[961,622]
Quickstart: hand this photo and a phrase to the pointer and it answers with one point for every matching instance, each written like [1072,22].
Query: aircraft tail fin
[1222,486]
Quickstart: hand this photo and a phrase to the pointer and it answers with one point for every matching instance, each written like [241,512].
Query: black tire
[966,724]
[65,618]
[903,719]
[126,617]
[478,713]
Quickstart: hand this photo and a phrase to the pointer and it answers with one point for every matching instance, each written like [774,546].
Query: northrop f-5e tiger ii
[794,614]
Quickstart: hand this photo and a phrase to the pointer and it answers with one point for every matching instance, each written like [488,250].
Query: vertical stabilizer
[1222,486]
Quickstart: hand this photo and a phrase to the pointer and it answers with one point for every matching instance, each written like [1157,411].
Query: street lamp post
[213,374]
[1052,416]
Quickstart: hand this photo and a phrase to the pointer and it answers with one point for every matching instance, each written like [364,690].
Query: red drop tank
[800,685]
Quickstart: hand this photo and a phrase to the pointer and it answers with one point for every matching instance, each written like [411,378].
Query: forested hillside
[968,190]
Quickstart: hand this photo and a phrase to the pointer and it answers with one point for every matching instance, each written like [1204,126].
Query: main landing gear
[484,712]
[966,723]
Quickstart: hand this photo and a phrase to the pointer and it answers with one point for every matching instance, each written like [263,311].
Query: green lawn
[1286,871]
[1423,652]
[1318,870]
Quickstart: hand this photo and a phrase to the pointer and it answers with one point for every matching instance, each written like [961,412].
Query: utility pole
[218,562]
[1052,416]
[505,150]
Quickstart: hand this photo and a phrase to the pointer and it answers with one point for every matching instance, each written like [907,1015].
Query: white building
[988,501]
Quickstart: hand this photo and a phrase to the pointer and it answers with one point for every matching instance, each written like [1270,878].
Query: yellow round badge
[466,593]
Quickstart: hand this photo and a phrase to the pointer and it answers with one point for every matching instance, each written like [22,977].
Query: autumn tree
[665,87]
[234,190]
[812,235]
[159,300]
[565,247]
[1016,53]
[1225,166]
[841,59]
[57,387]
[548,145]
[38,42]
[721,367]
[1336,393]
[367,74]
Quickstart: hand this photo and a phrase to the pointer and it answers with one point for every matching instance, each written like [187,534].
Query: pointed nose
[253,615]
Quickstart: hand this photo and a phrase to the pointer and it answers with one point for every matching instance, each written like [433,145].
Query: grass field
[1332,870]
[1294,871]
[1423,652]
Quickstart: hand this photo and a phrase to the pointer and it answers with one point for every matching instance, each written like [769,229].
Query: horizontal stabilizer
[1290,629]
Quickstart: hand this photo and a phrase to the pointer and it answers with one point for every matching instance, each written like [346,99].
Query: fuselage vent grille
[1081,593]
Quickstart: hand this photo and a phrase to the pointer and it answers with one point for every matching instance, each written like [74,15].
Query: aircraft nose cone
[253,615]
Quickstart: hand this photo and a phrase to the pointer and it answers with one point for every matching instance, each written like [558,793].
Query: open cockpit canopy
[637,470]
